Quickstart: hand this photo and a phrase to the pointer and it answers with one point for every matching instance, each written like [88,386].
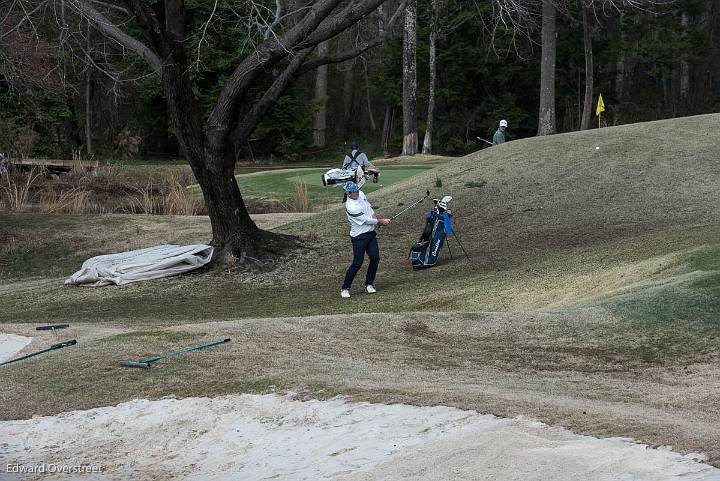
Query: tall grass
[107,189]
[179,201]
[301,199]
[73,201]
[167,196]
[17,188]
[144,202]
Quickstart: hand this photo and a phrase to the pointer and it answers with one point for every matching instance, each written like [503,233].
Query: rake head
[52,328]
[143,365]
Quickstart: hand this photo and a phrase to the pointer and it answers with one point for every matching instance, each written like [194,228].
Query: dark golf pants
[363,243]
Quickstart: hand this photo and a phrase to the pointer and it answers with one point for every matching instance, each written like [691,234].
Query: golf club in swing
[489,143]
[427,194]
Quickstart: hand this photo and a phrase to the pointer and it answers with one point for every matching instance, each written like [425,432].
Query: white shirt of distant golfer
[360,215]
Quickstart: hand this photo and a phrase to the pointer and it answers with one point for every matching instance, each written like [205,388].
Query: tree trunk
[373,126]
[88,113]
[382,22]
[348,93]
[88,92]
[579,97]
[706,85]
[546,120]
[587,37]
[410,135]
[620,78]
[234,232]
[320,115]
[427,142]
[386,129]
[684,69]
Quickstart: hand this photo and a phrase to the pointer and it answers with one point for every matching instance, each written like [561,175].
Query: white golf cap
[503,123]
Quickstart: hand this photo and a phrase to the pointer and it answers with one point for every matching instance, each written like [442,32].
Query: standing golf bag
[425,253]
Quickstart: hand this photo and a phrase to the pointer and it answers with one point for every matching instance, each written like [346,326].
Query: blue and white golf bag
[425,253]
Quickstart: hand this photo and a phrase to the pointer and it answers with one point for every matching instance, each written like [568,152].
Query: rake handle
[54,347]
[146,363]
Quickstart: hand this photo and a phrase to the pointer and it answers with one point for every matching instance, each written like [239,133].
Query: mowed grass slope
[590,299]
[548,222]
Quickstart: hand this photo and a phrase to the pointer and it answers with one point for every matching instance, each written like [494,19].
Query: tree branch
[203,33]
[341,21]
[360,48]
[111,30]
[317,25]
[150,24]
[111,6]
[267,54]
[266,102]
[278,13]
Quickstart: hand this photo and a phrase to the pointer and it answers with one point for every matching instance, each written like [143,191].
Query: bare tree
[368,97]
[684,65]
[282,38]
[427,142]
[546,118]
[320,114]
[410,134]
[587,40]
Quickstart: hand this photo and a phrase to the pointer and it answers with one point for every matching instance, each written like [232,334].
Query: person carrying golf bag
[362,220]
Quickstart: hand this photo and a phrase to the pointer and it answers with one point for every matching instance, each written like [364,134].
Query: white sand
[11,344]
[251,437]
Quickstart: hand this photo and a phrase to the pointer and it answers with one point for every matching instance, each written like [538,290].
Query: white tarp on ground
[11,344]
[250,437]
[140,265]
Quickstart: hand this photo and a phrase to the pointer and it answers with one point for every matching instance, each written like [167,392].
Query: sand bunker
[251,437]
[11,344]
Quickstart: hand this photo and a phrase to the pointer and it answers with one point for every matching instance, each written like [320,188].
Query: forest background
[654,62]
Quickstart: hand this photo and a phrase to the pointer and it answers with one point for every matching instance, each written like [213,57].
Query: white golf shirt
[360,215]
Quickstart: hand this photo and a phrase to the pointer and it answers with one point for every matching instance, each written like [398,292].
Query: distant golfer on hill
[356,158]
[499,137]
[362,220]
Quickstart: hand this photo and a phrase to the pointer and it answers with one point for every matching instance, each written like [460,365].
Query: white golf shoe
[345,293]
[370,289]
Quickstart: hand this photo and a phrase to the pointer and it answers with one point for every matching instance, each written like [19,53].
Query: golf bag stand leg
[461,246]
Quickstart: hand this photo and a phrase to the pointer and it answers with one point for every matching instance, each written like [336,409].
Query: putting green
[281,185]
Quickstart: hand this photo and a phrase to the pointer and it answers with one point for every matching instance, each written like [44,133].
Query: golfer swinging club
[362,220]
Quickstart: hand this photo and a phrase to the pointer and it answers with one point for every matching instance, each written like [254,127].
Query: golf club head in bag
[442,204]
[360,176]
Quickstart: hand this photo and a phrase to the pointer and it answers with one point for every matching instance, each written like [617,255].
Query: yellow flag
[600,106]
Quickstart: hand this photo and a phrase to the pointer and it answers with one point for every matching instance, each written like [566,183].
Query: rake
[58,345]
[54,347]
[146,363]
